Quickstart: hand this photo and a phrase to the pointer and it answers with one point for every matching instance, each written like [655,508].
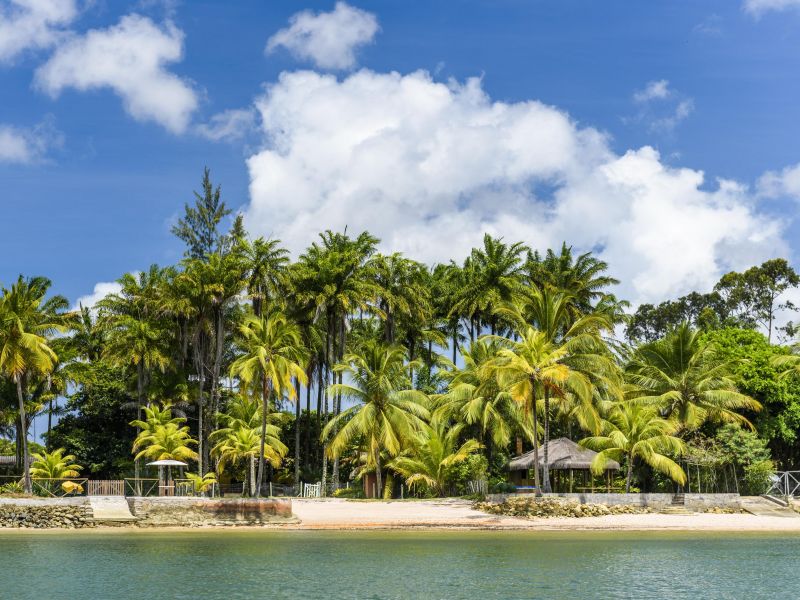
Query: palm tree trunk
[252,482]
[535,445]
[265,391]
[220,348]
[139,402]
[26,472]
[545,461]
[378,475]
[297,432]
[49,423]
[307,449]
[629,475]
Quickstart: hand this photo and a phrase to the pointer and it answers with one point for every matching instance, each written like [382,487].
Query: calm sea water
[381,565]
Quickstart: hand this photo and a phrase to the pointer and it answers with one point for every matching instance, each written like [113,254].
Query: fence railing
[106,487]
[785,483]
[478,486]
[59,488]
[312,490]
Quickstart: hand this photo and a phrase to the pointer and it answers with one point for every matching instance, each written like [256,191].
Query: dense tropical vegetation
[349,363]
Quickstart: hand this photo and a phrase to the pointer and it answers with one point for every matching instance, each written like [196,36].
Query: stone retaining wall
[165,512]
[45,513]
[656,501]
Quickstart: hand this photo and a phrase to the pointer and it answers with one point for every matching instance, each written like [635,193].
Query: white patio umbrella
[169,463]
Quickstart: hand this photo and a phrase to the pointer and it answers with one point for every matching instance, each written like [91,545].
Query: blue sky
[540,120]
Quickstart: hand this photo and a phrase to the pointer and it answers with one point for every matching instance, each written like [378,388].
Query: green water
[451,565]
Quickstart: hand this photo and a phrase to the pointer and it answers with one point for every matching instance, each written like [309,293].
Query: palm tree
[54,465]
[430,460]
[26,318]
[240,437]
[265,263]
[492,276]
[272,355]
[636,432]
[386,414]
[688,380]
[165,442]
[534,367]
[474,398]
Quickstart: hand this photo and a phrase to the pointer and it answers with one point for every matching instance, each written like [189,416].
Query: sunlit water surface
[387,565]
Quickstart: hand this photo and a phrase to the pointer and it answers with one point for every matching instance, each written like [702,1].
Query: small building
[569,468]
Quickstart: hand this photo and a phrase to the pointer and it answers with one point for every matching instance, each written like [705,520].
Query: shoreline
[459,515]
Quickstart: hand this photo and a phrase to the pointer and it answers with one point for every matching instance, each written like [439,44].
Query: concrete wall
[656,501]
[167,511]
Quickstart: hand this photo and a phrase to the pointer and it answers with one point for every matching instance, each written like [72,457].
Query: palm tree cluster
[407,371]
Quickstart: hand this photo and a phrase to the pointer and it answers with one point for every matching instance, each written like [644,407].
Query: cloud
[329,40]
[20,145]
[661,107]
[130,59]
[780,184]
[429,167]
[32,24]
[655,90]
[759,7]
[228,125]
[101,290]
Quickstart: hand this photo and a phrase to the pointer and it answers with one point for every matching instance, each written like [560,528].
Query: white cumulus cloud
[327,39]
[661,107]
[101,290]
[759,7]
[129,58]
[230,124]
[429,167]
[32,24]
[20,145]
[783,183]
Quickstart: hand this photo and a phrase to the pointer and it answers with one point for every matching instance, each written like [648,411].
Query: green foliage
[757,477]
[54,465]
[752,358]
[95,429]
[351,492]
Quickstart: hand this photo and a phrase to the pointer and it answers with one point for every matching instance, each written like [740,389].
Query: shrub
[353,492]
[502,487]
[757,477]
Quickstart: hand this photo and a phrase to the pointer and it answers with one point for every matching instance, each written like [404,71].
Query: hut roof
[562,453]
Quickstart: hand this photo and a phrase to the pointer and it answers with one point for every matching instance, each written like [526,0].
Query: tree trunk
[320,387]
[629,475]
[203,449]
[252,482]
[297,432]
[220,347]
[23,419]
[535,446]
[378,475]
[265,392]
[307,452]
[545,461]
[140,398]
[455,343]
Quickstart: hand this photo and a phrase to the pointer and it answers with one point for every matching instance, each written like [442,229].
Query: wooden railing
[106,487]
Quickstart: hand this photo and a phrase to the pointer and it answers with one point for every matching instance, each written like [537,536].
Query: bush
[353,492]
[757,477]
[502,487]
[15,487]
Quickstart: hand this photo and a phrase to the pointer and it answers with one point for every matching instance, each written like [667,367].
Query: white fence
[311,490]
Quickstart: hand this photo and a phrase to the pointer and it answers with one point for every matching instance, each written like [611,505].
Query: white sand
[453,513]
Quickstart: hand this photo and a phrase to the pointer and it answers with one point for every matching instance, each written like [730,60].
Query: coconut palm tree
[473,397]
[687,379]
[578,337]
[386,414]
[265,264]
[431,458]
[26,319]
[272,356]
[165,442]
[635,432]
[54,465]
[534,367]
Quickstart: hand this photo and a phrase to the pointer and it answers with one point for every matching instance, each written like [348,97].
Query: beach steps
[110,510]
[756,505]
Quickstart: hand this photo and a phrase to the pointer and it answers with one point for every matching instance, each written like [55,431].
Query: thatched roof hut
[563,454]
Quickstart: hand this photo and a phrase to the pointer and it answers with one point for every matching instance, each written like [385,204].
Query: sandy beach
[455,513]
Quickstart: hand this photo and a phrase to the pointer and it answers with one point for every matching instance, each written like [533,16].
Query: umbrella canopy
[167,462]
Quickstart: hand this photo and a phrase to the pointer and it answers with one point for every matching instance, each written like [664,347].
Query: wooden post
[570,480]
